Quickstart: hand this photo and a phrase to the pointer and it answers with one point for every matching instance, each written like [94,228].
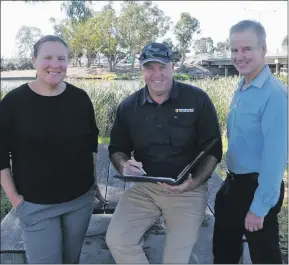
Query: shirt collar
[174,93]
[259,80]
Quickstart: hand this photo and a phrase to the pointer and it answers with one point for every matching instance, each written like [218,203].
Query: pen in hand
[142,170]
[138,165]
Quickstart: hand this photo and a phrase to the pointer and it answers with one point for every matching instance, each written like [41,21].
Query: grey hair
[255,26]
[44,39]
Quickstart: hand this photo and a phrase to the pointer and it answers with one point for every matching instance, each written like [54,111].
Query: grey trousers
[55,233]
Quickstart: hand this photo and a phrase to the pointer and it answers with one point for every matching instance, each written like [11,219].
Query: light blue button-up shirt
[257,127]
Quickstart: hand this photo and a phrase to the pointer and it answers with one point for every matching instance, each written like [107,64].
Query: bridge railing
[227,55]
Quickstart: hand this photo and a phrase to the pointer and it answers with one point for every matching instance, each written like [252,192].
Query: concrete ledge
[95,250]
[98,224]
[11,238]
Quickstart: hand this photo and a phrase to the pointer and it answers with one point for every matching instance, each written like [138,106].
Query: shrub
[109,77]
[10,67]
[25,64]
[5,204]
[105,97]
[221,92]
[182,77]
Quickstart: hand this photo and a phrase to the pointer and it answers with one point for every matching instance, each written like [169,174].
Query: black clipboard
[172,181]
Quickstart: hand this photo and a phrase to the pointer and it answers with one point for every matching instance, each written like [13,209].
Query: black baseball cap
[155,52]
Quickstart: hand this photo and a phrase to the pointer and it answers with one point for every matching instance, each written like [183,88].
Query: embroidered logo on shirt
[184,110]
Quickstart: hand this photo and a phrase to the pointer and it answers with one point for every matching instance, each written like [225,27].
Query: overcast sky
[215,17]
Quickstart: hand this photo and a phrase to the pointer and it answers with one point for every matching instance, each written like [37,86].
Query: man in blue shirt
[252,194]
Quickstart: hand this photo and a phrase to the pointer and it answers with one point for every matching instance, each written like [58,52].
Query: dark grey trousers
[55,233]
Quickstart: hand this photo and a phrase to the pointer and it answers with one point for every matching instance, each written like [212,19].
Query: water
[7,85]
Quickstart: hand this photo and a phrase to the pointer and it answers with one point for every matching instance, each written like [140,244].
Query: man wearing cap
[165,124]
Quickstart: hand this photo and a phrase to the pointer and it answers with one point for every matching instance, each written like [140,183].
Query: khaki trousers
[139,208]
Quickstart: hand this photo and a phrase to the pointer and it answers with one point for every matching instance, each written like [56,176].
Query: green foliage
[108,77]
[107,95]
[221,92]
[77,10]
[5,204]
[182,77]
[184,31]
[124,76]
[103,32]
[204,45]
[139,24]
[86,37]
[108,29]
[68,31]
[176,52]
[223,46]
[75,30]
[25,39]
[22,64]
[105,98]
[103,140]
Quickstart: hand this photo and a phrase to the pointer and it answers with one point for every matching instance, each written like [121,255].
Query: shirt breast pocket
[248,116]
[182,132]
[141,132]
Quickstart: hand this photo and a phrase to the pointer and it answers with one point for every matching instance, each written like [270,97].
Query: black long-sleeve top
[49,140]
[166,137]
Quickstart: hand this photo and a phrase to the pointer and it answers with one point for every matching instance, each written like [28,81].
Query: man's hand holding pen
[133,168]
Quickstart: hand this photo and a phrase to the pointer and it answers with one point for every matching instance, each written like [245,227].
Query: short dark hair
[251,24]
[44,39]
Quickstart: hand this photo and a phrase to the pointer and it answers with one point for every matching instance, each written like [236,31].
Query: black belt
[250,176]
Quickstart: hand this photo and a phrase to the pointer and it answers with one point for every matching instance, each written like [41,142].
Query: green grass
[103,140]
[109,76]
[182,77]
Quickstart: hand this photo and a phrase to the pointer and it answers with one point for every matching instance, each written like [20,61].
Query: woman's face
[51,62]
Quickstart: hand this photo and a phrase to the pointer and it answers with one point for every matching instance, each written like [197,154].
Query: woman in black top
[48,133]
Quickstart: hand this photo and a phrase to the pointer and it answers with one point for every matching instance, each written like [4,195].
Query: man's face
[158,77]
[246,53]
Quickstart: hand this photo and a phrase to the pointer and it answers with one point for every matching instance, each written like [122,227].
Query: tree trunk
[88,60]
[115,61]
[110,64]
[133,61]
[74,61]
[183,60]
